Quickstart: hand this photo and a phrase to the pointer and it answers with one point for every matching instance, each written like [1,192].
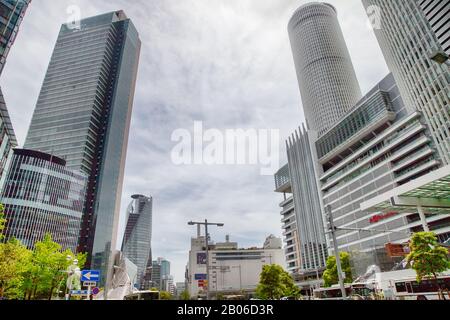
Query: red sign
[397,250]
[377,218]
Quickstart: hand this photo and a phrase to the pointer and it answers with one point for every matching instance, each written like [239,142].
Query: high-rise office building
[11,15]
[165,267]
[408,38]
[42,196]
[7,138]
[137,239]
[83,115]
[325,72]
[307,202]
[156,275]
[377,147]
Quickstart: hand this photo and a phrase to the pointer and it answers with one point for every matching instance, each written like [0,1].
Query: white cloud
[227,63]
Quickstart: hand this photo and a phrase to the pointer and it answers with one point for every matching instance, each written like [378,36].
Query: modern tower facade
[408,38]
[83,115]
[8,139]
[137,239]
[377,147]
[437,13]
[307,202]
[42,196]
[11,15]
[289,221]
[325,72]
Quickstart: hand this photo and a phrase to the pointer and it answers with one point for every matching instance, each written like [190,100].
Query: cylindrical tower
[325,72]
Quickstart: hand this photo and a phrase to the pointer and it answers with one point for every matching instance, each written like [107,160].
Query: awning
[430,192]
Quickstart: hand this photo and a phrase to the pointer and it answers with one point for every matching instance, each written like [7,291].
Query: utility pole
[336,251]
[206,224]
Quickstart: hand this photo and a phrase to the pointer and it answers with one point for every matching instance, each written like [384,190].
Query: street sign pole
[89,293]
[336,252]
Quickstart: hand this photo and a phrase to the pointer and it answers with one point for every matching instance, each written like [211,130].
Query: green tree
[2,221]
[330,276]
[275,283]
[427,257]
[47,271]
[185,295]
[164,295]
[14,263]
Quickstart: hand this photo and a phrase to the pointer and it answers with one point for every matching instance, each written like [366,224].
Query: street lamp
[206,224]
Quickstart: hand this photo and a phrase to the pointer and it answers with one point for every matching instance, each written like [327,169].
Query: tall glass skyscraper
[408,39]
[11,15]
[83,115]
[137,241]
[325,72]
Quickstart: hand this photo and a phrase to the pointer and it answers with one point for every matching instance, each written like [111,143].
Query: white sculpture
[74,278]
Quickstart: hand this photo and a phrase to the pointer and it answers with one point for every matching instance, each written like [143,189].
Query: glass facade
[42,196]
[8,139]
[398,152]
[408,39]
[372,109]
[137,240]
[11,15]
[83,115]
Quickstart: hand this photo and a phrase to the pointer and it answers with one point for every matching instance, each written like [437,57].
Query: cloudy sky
[227,63]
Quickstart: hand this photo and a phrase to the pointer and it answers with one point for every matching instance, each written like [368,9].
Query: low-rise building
[232,269]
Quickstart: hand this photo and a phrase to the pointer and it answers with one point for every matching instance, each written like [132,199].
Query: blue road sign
[201,276]
[90,275]
[79,292]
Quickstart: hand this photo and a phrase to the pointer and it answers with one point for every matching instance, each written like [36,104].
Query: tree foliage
[2,221]
[426,256]
[276,283]
[330,276]
[33,274]
[15,260]
[164,295]
[185,295]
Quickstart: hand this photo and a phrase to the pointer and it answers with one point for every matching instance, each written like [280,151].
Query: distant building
[168,284]
[180,287]
[232,270]
[156,275]
[137,240]
[41,195]
[273,242]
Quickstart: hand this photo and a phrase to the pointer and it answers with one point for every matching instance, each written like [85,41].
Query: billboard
[201,258]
